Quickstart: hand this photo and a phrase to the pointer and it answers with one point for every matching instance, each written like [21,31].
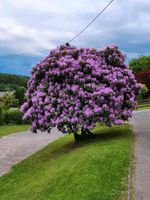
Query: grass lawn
[93,170]
[144,108]
[8,129]
[144,105]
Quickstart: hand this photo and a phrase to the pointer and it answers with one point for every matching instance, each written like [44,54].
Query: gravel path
[141,124]
[18,146]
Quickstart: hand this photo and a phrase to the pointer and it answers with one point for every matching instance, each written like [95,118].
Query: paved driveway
[18,146]
[141,123]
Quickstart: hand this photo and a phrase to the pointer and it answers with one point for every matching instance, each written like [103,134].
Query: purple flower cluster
[74,87]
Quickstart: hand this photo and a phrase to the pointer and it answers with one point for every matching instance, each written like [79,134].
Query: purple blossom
[88,112]
[118,121]
[79,87]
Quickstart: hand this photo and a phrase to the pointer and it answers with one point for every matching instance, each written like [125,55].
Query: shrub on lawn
[13,116]
[143,92]
[78,87]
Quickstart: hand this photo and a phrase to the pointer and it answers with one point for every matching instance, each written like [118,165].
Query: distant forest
[9,82]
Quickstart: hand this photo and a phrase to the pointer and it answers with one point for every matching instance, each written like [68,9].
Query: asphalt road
[18,146]
[141,125]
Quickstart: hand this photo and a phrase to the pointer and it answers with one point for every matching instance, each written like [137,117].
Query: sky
[34,27]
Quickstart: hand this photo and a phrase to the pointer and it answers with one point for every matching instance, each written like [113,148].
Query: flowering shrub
[77,87]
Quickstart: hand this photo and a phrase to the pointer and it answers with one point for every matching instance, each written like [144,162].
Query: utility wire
[5,56]
[91,22]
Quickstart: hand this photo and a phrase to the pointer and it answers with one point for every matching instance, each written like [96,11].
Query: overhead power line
[26,53]
[91,21]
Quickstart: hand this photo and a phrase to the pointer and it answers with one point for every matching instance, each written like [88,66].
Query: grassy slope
[94,170]
[144,107]
[8,129]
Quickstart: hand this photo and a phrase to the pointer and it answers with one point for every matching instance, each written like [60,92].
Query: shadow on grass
[102,134]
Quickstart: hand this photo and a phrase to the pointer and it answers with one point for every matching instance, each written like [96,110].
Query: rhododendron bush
[77,87]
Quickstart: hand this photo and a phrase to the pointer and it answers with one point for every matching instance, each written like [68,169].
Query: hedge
[12,116]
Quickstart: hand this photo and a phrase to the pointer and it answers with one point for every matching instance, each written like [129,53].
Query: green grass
[8,129]
[93,170]
[144,107]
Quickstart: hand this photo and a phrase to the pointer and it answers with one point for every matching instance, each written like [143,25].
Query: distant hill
[8,82]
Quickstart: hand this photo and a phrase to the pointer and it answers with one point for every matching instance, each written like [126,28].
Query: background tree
[8,100]
[74,88]
[141,69]
[139,64]
[144,78]
[19,94]
[5,87]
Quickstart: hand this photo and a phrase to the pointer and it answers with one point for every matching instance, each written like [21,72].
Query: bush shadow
[101,135]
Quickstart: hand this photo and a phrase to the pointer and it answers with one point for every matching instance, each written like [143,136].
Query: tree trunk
[85,135]
[77,137]
[83,132]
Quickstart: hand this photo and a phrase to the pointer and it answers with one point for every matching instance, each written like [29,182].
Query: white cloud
[35,25]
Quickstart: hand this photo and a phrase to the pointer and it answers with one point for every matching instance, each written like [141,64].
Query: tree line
[141,68]
[9,82]
[12,88]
